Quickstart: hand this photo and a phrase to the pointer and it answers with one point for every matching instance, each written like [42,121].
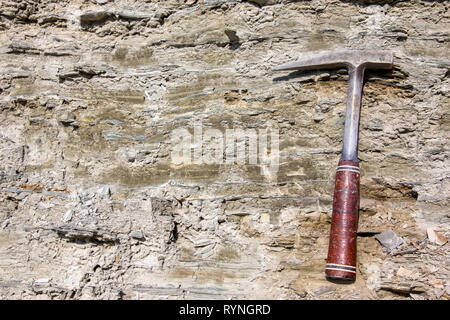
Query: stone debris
[85,234]
[67,216]
[137,234]
[436,237]
[389,240]
[69,120]
[322,290]
[407,273]
[105,191]
[43,281]
[94,16]
[404,288]
[21,47]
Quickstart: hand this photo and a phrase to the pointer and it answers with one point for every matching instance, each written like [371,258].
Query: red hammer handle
[341,262]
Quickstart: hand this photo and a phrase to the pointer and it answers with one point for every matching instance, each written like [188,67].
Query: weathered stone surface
[90,92]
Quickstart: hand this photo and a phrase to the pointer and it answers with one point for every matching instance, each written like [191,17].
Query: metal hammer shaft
[341,261]
[355,85]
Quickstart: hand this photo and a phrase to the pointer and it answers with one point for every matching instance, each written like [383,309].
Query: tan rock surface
[93,207]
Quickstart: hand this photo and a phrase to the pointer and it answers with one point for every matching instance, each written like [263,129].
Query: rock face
[93,206]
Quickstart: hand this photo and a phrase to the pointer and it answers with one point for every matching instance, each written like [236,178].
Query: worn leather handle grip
[341,262]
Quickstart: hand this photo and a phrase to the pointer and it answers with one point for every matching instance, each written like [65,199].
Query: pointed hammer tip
[280,67]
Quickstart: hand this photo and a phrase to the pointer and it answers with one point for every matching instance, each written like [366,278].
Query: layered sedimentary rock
[93,206]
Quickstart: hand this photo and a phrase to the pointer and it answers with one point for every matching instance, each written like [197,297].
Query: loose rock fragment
[436,237]
[138,234]
[231,34]
[403,288]
[323,290]
[389,239]
[403,272]
[69,120]
[88,234]
[21,47]
[105,191]
[67,216]
[94,16]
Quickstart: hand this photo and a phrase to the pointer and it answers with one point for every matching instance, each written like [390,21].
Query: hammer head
[368,59]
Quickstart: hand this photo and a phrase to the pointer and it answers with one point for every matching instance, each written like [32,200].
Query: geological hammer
[341,261]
